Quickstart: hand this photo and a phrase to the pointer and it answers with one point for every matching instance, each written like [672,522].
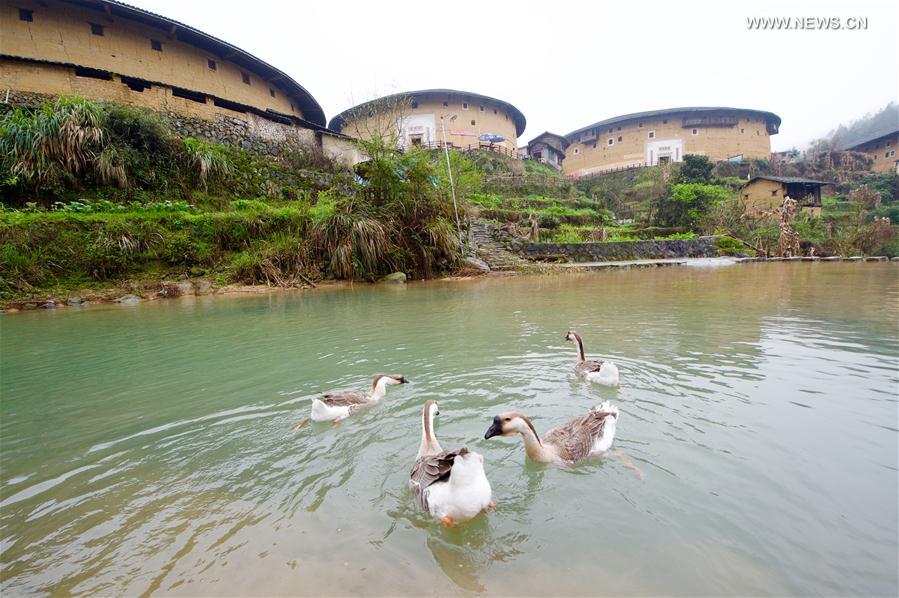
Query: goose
[335,406]
[602,372]
[583,437]
[450,485]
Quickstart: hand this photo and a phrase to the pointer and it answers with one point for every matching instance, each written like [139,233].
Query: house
[763,193]
[548,148]
[881,147]
[660,136]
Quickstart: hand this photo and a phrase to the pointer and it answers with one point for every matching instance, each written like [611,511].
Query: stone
[395,278]
[894,259]
[51,304]
[204,287]
[476,264]
[128,299]
[876,258]
[185,287]
[11,310]
[73,301]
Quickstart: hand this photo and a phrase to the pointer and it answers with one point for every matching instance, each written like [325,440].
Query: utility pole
[450,171]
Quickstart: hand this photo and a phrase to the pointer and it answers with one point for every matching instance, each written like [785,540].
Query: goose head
[385,379]
[509,423]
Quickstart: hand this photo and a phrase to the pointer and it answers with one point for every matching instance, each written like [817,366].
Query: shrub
[688,203]
[695,169]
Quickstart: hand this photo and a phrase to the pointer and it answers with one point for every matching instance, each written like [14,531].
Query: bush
[688,204]
[695,169]
[730,246]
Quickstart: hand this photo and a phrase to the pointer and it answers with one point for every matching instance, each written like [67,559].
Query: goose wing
[575,438]
[430,469]
[344,399]
[591,365]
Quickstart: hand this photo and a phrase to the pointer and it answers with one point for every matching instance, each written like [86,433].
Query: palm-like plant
[61,138]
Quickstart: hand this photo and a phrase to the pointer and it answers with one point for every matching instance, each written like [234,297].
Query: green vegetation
[97,194]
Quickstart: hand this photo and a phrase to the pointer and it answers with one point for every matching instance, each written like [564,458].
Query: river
[146,449]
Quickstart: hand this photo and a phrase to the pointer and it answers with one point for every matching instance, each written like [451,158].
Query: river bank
[133,292]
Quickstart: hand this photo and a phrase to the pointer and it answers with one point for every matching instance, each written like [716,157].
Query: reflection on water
[148,449]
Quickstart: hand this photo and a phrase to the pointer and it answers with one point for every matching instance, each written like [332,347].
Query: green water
[146,449]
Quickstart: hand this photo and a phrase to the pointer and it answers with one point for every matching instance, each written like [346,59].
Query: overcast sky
[568,64]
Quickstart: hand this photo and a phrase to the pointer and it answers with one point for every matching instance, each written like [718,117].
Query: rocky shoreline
[132,294]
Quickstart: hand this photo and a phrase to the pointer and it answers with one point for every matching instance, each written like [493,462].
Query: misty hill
[882,122]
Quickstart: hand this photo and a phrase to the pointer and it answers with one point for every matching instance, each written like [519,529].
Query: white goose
[601,372]
[335,406]
[450,485]
[586,436]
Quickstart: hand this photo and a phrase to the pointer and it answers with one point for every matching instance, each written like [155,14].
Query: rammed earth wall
[619,250]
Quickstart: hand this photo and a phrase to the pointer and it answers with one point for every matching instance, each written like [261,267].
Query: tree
[695,169]
[687,204]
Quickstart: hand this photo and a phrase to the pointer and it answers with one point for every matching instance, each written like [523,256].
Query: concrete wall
[883,152]
[488,117]
[61,33]
[761,195]
[749,138]
[619,250]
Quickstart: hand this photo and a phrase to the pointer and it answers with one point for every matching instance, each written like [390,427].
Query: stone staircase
[485,247]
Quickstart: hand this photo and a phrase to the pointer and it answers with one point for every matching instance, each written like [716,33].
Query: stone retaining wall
[248,130]
[618,250]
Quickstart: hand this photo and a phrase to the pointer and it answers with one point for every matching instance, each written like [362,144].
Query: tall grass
[40,147]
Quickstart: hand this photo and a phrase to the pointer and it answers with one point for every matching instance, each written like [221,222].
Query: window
[96,29]
[494,110]
[136,84]
[640,124]
[611,130]
[464,105]
[156,45]
[445,104]
[652,134]
[472,123]
[890,154]
[742,130]
[189,95]
[245,77]
[774,192]
[292,109]
[271,92]
[26,15]
[594,146]
[413,104]
[577,150]
[211,64]
[694,132]
[665,122]
[610,141]
[619,128]
[481,108]
[757,132]
[81,71]
[619,139]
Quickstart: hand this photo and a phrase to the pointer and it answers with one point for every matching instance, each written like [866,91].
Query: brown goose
[602,372]
[450,485]
[585,436]
[334,406]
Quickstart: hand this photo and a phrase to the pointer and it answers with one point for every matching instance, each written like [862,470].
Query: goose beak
[496,429]
[403,380]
